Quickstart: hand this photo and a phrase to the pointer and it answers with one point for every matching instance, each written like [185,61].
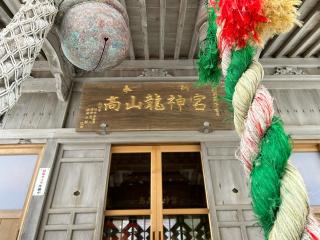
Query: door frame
[156,211]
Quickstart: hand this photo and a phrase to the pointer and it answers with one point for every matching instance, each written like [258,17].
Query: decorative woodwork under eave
[151,106]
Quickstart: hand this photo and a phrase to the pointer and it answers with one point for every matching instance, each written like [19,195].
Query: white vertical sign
[41,182]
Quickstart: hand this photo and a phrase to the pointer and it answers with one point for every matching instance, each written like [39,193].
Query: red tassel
[239,19]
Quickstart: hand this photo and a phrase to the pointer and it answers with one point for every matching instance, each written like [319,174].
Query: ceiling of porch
[167,31]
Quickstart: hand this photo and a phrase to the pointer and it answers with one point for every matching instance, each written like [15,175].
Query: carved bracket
[285,70]
[155,73]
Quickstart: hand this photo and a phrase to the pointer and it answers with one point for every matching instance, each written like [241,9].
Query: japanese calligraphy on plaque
[150,106]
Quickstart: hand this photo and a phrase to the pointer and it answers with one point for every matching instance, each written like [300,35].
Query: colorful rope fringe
[279,197]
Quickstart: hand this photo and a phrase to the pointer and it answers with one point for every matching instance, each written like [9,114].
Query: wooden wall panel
[298,107]
[36,111]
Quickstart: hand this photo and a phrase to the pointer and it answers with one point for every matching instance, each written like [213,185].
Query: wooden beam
[144,25]
[313,49]
[156,64]
[186,64]
[310,38]
[311,22]
[65,135]
[290,62]
[63,83]
[180,27]
[41,66]
[131,49]
[162,27]
[4,17]
[33,85]
[39,85]
[13,5]
[270,81]
[201,18]
[277,41]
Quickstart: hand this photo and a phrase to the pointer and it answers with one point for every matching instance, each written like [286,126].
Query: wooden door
[228,194]
[19,163]
[75,203]
[156,192]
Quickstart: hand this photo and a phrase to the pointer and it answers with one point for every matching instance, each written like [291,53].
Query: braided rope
[279,196]
[253,117]
[20,43]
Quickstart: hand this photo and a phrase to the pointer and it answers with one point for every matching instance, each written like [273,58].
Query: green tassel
[240,61]
[268,170]
[208,63]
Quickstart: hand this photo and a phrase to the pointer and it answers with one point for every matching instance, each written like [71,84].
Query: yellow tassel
[282,15]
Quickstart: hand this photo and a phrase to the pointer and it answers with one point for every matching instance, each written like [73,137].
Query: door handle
[153,235]
[160,235]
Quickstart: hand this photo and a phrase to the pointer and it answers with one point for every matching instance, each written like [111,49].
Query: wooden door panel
[77,185]
[254,233]
[82,235]
[228,233]
[76,200]
[55,235]
[229,182]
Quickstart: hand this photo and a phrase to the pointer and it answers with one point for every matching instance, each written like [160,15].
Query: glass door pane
[182,180]
[129,181]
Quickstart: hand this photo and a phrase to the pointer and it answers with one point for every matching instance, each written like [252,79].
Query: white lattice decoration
[20,43]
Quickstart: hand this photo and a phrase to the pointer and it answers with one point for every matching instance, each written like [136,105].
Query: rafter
[201,19]
[180,27]
[162,27]
[313,49]
[131,49]
[310,38]
[144,25]
[311,22]
[277,41]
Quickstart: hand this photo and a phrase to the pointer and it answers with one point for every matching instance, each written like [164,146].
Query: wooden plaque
[150,106]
